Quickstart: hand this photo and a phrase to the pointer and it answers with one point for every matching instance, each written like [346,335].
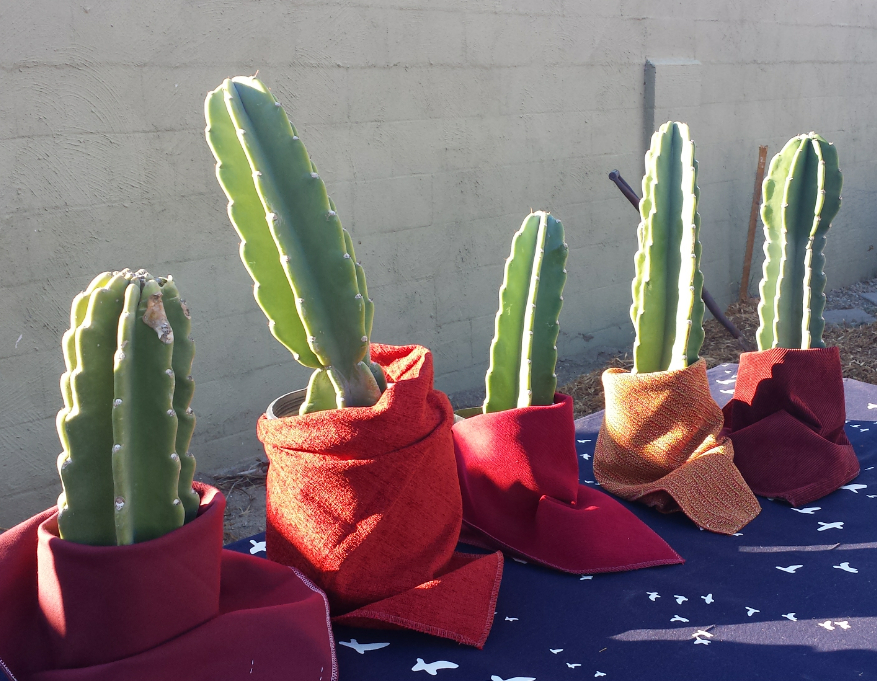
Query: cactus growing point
[523,353]
[801,198]
[305,274]
[126,389]
[667,310]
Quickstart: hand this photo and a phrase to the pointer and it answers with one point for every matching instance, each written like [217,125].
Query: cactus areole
[306,277]
[801,197]
[523,353]
[126,422]
[667,310]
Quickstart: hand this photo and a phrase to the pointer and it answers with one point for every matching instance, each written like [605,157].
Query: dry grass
[858,353]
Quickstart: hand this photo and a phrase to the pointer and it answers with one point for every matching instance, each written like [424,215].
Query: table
[739,608]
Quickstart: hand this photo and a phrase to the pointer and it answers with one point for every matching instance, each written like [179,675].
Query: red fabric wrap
[366,502]
[519,477]
[786,420]
[176,607]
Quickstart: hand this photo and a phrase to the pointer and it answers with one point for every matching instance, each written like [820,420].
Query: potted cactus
[516,455]
[786,418]
[660,439]
[362,494]
[127,578]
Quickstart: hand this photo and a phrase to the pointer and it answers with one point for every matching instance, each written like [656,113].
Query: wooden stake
[753,219]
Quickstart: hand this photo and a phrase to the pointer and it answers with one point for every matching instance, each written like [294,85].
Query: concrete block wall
[437,126]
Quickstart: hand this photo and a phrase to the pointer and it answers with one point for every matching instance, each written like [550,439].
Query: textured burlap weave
[659,444]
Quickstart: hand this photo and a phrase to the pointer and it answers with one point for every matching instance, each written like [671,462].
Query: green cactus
[305,274]
[126,412]
[667,310]
[801,197]
[523,353]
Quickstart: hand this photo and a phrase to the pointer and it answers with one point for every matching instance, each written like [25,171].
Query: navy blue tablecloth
[792,596]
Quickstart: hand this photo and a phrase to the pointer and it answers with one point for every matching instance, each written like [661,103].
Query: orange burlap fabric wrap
[366,502]
[659,445]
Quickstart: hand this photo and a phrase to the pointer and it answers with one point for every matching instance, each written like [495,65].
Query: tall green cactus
[126,422]
[523,353]
[667,310]
[301,260]
[801,197]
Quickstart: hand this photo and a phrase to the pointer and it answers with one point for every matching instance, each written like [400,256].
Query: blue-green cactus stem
[146,466]
[279,205]
[667,310]
[184,388]
[85,507]
[523,353]
[801,196]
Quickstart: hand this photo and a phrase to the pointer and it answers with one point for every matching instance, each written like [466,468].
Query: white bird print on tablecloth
[361,648]
[586,577]
[257,546]
[701,632]
[599,674]
[677,618]
[809,511]
[707,599]
[432,667]
[830,526]
[854,488]
[791,617]
[701,640]
[846,567]
[843,625]
[582,441]
[680,599]
[586,456]
[653,595]
[573,665]
[511,619]
[737,534]
[555,650]
[751,611]
[791,569]
[516,678]
[727,392]
[872,496]
[872,406]
[826,625]
[728,381]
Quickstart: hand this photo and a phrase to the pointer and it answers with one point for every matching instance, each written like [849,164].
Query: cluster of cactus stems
[801,196]
[306,277]
[523,353]
[126,422]
[667,310]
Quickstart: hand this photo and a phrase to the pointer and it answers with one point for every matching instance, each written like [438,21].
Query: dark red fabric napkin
[176,607]
[786,421]
[365,501]
[519,478]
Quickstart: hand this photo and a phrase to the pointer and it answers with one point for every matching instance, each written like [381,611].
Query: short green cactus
[126,422]
[667,310]
[801,196]
[306,277]
[523,353]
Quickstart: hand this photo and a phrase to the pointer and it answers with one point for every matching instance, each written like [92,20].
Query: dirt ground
[244,486]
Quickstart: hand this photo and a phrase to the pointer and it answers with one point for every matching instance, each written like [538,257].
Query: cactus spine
[305,274]
[801,197]
[126,389]
[523,353]
[667,310]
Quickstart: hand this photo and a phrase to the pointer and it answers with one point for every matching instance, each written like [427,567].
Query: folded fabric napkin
[366,502]
[786,420]
[519,477]
[659,444]
[176,607]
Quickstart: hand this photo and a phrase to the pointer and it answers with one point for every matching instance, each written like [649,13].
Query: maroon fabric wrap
[786,421]
[519,477]
[366,502]
[176,607]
